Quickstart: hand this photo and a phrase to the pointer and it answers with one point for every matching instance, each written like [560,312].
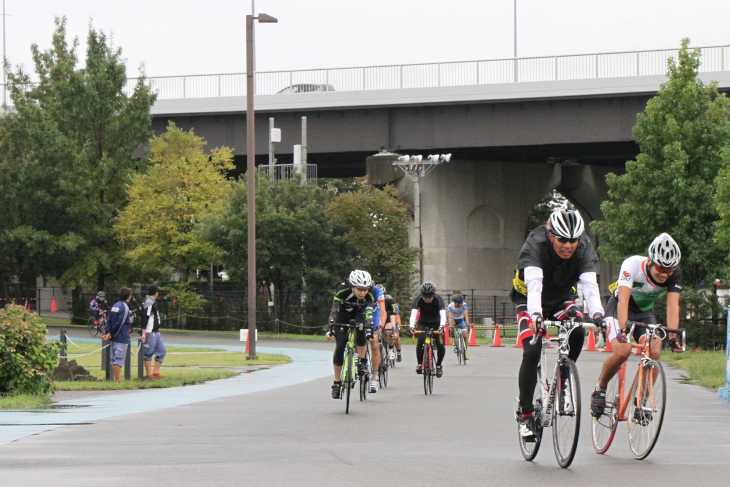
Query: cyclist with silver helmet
[355,299]
[458,314]
[392,324]
[640,282]
[428,311]
[552,260]
[379,317]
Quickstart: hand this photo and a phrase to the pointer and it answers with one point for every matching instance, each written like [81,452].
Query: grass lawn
[22,401]
[172,378]
[704,368]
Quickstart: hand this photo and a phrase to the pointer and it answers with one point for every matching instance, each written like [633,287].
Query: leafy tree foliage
[671,185]
[166,204]
[83,124]
[376,225]
[542,211]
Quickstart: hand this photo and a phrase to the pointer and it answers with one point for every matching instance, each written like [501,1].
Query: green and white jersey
[634,274]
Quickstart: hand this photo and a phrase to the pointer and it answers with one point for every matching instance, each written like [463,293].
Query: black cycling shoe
[399,358]
[419,370]
[362,367]
[642,415]
[598,403]
[336,390]
[439,371]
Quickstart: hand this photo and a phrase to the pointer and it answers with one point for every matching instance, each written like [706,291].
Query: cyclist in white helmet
[551,262]
[354,299]
[640,282]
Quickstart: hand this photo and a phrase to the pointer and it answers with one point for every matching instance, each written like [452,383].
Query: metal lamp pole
[251,179]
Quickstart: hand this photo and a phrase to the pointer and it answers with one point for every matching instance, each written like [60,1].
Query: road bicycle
[428,363]
[643,407]
[349,367]
[556,400]
[459,345]
[96,325]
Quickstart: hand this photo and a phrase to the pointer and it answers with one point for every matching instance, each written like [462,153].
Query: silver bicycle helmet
[664,251]
[566,223]
[100,294]
[360,279]
[428,289]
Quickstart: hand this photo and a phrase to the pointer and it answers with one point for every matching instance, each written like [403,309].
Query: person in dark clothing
[117,327]
[428,312]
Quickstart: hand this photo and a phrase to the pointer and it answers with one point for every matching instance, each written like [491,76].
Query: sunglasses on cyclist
[361,289]
[564,240]
[664,270]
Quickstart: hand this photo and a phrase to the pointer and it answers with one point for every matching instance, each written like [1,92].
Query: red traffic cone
[591,342]
[472,337]
[497,337]
[446,335]
[247,342]
[53,305]
[518,344]
[607,348]
[27,305]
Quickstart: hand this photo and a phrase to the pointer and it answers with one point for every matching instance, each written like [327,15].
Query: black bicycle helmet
[458,298]
[428,289]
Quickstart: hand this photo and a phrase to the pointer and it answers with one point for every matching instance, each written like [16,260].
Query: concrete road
[463,434]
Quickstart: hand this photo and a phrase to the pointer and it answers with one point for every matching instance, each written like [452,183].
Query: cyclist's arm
[624,295]
[451,319]
[412,322]
[442,320]
[591,294]
[533,283]
[673,311]
[466,316]
[383,314]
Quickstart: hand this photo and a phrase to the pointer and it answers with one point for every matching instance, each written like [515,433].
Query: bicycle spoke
[603,429]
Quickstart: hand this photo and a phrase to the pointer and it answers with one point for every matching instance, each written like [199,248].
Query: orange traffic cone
[53,305]
[27,305]
[591,342]
[607,348]
[446,336]
[472,337]
[497,337]
[247,342]
[518,344]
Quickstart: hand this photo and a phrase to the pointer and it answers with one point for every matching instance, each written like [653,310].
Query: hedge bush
[701,314]
[27,360]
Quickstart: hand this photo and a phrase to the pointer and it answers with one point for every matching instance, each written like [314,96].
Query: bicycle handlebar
[653,331]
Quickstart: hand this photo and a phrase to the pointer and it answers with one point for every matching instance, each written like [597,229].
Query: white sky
[175,37]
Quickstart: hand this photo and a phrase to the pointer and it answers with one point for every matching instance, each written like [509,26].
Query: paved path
[296,435]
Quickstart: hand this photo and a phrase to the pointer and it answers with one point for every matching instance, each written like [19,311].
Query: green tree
[297,247]
[671,185]
[95,128]
[166,204]
[376,226]
[542,211]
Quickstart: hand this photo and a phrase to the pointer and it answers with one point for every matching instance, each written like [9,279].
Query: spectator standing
[153,344]
[117,328]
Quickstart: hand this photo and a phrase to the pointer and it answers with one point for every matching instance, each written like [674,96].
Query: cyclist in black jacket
[428,311]
[355,300]
[552,261]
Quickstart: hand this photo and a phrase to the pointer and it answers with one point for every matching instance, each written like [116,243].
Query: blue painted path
[306,365]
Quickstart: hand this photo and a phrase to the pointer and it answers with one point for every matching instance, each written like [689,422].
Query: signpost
[724,392]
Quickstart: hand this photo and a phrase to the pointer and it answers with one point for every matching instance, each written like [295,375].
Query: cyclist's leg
[440,349]
[570,308]
[530,359]
[621,349]
[338,357]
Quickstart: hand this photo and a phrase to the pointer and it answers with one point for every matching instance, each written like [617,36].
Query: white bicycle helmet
[664,251]
[566,223]
[360,279]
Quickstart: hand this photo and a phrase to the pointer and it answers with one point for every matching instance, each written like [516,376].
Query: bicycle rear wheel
[603,429]
[364,386]
[566,414]
[459,348]
[93,328]
[530,448]
[432,369]
[645,426]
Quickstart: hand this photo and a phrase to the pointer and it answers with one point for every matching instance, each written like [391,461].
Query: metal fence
[284,172]
[430,75]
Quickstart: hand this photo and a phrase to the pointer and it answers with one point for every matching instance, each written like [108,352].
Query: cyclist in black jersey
[551,262]
[354,300]
[392,324]
[428,311]
[641,281]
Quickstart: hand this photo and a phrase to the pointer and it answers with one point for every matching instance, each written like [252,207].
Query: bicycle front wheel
[93,328]
[462,346]
[529,449]
[603,429]
[364,386]
[348,380]
[646,423]
[566,414]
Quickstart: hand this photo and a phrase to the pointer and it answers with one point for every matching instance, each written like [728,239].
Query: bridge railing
[431,75]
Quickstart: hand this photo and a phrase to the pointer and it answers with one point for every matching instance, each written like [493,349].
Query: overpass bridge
[517,129]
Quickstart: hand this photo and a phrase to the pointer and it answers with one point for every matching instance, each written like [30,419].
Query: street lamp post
[251,179]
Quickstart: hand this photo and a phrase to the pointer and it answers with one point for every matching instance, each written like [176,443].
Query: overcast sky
[174,37]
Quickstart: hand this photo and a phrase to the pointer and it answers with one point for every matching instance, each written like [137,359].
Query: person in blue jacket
[118,325]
